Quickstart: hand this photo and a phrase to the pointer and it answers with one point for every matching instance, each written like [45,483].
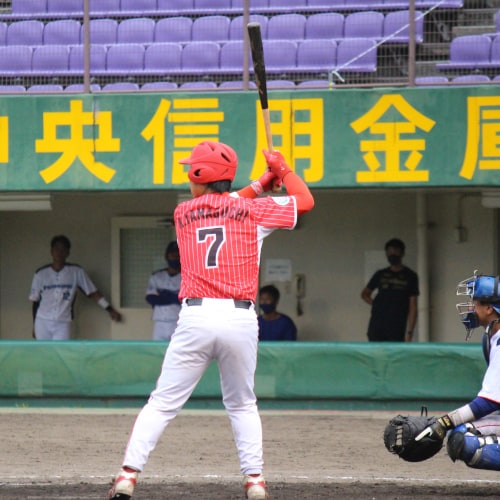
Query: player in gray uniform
[162,294]
[53,293]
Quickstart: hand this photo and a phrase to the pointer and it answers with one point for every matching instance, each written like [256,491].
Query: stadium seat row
[125,8]
[161,86]
[194,58]
[393,27]
[473,52]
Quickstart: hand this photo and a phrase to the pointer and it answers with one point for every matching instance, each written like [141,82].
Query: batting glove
[438,429]
[276,163]
[264,183]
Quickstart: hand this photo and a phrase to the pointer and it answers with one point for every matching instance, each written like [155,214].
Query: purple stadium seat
[280,6]
[359,5]
[316,55]
[104,7]
[15,60]
[328,5]
[280,84]
[214,28]
[317,84]
[286,27]
[138,7]
[3,33]
[397,27]
[198,85]
[6,89]
[281,55]
[176,7]
[159,86]
[28,32]
[468,52]
[80,87]
[208,7]
[136,30]
[50,60]
[29,8]
[257,6]
[102,31]
[495,52]
[97,59]
[66,8]
[163,58]
[326,25]
[356,55]
[122,86]
[237,28]
[173,29]
[471,79]
[200,57]
[47,87]
[368,24]
[231,57]
[62,32]
[125,58]
[431,80]
[236,85]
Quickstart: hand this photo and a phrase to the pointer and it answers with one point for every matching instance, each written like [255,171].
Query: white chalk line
[44,480]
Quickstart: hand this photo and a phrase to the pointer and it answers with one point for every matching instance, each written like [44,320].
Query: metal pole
[412,45]
[86,46]
[246,44]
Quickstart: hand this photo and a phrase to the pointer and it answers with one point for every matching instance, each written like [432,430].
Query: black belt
[240,304]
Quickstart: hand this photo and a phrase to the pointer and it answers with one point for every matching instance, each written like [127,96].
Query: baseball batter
[162,294]
[220,238]
[474,428]
[53,293]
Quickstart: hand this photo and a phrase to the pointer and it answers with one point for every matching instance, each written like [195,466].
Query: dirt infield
[73,454]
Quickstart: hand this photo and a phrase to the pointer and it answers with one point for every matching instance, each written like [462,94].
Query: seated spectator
[274,325]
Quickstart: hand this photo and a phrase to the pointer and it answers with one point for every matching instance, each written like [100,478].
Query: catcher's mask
[478,287]
[211,162]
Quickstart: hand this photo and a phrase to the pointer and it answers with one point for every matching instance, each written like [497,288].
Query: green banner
[351,138]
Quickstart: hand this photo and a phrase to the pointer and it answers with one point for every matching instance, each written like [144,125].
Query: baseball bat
[255,37]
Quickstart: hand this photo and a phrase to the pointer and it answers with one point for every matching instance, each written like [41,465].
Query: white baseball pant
[215,330]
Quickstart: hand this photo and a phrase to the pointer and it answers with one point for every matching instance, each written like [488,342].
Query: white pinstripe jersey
[56,290]
[162,280]
[220,240]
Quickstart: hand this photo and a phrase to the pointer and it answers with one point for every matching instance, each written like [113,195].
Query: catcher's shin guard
[477,451]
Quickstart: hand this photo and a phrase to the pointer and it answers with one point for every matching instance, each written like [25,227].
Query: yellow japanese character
[76,146]
[392,143]
[298,132]
[483,135]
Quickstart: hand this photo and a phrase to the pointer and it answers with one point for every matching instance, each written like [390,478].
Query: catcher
[473,428]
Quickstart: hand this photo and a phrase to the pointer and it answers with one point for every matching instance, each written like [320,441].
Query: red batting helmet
[211,162]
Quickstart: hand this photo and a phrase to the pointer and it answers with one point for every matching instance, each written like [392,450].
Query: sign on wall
[352,138]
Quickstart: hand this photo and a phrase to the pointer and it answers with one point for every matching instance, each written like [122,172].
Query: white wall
[329,247]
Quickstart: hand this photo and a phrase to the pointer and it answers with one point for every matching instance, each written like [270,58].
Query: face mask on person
[174,264]
[267,308]
[394,260]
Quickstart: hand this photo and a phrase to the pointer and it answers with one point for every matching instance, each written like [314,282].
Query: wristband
[102,302]
[257,187]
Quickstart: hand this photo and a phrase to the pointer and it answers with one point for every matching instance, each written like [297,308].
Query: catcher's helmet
[478,287]
[211,162]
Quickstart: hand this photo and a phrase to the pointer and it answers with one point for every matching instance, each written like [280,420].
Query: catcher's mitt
[400,433]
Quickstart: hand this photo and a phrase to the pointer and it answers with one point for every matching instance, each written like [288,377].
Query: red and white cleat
[124,485]
[255,488]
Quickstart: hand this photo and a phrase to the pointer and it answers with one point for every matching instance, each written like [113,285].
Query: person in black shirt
[394,307]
